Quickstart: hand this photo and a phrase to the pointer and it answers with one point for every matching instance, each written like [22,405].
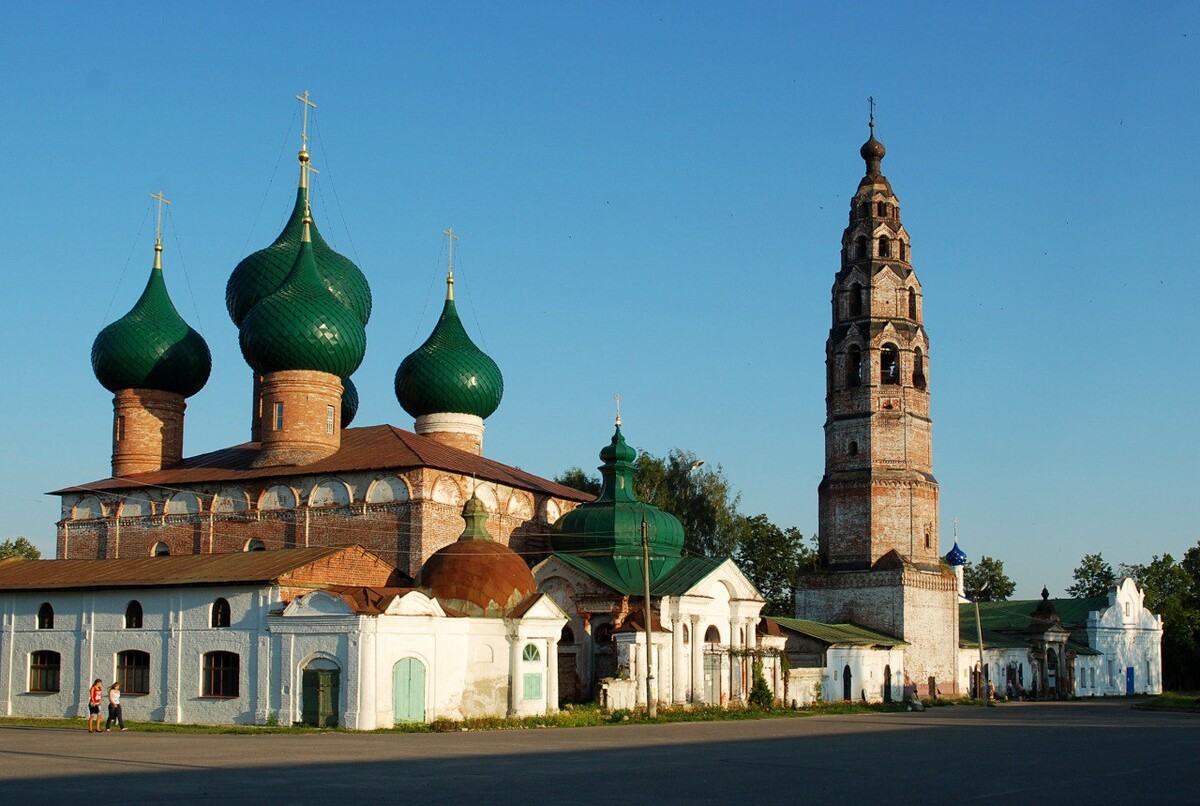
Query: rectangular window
[278,416]
[44,667]
[221,674]
[133,671]
[329,419]
[533,686]
[120,428]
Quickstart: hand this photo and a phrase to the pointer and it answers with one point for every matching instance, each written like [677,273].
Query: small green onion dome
[349,402]
[448,374]
[612,524]
[259,275]
[302,326]
[151,347]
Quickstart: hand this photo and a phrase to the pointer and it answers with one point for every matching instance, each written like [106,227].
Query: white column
[697,644]
[514,674]
[639,646]
[368,695]
[552,676]
[678,669]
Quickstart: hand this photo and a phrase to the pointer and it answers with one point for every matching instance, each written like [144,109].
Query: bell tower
[878,560]
[878,494]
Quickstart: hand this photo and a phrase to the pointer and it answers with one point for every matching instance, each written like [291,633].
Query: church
[365,576]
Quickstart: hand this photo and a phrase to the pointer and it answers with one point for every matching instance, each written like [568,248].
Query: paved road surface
[1017,754]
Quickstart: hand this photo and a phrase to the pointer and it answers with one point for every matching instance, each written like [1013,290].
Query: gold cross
[304,99]
[449,233]
[161,199]
[618,399]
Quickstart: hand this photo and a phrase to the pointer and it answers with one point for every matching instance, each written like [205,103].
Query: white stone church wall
[868,671]
[1128,636]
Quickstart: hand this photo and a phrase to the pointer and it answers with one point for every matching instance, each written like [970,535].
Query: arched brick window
[853,367]
[860,246]
[889,365]
[903,251]
[881,209]
[133,615]
[912,302]
[918,369]
[220,613]
[712,635]
[853,450]
[885,246]
[856,300]
[160,549]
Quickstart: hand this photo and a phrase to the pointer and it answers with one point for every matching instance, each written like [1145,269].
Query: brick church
[304,478]
[879,564]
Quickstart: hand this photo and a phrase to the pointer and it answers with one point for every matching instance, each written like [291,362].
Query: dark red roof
[238,567]
[374,447]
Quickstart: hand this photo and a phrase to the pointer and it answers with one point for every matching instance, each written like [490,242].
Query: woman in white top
[114,708]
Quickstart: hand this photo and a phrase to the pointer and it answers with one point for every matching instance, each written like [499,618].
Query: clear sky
[650,198]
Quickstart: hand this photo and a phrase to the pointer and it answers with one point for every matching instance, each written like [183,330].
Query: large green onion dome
[448,374]
[259,275]
[302,326]
[612,524]
[151,347]
[349,402]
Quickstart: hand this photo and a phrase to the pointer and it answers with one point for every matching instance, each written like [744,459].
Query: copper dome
[476,575]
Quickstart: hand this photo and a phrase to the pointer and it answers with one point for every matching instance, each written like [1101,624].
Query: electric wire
[132,248]
[183,265]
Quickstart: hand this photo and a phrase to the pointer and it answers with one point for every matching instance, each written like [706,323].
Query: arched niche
[520,506]
[277,498]
[230,500]
[445,491]
[135,507]
[183,504]
[387,490]
[487,495]
[550,511]
[88,509]
[329,493]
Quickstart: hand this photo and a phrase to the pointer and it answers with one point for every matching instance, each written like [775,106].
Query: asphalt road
[1068,753]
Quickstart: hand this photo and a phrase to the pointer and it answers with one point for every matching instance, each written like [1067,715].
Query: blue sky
[650,198]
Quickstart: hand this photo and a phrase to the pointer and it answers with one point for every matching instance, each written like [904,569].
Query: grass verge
[582,716]
[1173,701]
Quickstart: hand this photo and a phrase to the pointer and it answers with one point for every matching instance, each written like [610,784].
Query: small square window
[278,416]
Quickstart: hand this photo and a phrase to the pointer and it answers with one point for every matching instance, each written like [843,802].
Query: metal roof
[850,634]
[1015,614]
[684,575]
[375,447]
[241,567]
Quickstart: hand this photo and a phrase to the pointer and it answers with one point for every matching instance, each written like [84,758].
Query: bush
[760,692]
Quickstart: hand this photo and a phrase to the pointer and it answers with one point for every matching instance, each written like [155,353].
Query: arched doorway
[847,684]
[408,690]
[320,693]
[1051,673]
[712,666]
[887,683]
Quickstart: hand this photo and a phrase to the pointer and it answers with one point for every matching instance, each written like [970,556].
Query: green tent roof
[151,347]
[610,527]
[1015,614]
[624,574]
[851,634]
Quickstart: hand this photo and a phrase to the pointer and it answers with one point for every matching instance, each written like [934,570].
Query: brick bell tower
[878,559]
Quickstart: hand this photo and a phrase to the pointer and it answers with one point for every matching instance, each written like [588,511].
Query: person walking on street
[94,695]
[114,708]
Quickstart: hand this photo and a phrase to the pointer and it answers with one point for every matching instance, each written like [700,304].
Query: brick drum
[147,430]
[311,425]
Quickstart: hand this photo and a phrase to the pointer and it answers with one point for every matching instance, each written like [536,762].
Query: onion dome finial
[302,326]
[956,556]
[151,347]
[448,374]
[260,274]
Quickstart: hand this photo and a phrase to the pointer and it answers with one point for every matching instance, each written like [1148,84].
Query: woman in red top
[94,696]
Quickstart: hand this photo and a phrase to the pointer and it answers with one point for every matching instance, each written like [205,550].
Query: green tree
[1173,591]
[760,692]
[988,571]
[1093,577]
[771,557]
[579,479]
[20,547]
[696,493]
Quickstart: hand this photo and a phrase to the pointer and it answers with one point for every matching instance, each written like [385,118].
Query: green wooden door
[310,697]
[408,691]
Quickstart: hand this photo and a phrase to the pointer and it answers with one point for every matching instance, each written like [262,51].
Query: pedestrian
[114,708]
[94,694]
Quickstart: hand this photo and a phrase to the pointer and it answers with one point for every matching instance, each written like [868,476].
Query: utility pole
[651,706]
[983,688]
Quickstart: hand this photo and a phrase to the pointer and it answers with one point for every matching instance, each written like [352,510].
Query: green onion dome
[151,347]
[302,326]
[612,524]
[349,402]
[448,374]
[259,275]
